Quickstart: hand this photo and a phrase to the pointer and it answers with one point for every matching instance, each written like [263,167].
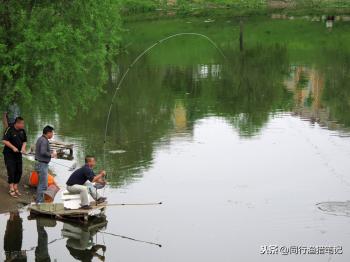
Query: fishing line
[51,242]
[71,168]
[130,238]
[134,62]
[139,57]
[133,204]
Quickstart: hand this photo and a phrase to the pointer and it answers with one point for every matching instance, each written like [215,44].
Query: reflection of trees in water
[246,90]
[336,94]
[326,98]
[158,101]
[254,87]
[140,117]
[250,89]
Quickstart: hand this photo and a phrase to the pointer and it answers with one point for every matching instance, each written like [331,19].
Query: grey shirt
[42,150]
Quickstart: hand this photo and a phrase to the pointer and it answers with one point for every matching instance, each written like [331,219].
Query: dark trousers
[13,164]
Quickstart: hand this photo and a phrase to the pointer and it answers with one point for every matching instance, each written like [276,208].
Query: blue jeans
[42,169]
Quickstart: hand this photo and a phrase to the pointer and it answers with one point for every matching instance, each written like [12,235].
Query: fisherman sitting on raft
[80,181]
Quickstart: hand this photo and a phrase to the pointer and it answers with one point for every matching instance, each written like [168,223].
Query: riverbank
[135,11]
[8,203]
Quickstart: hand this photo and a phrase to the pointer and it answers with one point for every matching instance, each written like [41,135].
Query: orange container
[34,179]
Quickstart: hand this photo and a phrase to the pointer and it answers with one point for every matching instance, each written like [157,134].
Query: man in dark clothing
[80,181]
[15,141]
[43,156]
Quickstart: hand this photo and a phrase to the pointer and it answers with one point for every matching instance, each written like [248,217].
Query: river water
[245,152]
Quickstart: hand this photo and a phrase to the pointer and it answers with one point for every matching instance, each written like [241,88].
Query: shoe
[101,200]
[13,193]
[86,207]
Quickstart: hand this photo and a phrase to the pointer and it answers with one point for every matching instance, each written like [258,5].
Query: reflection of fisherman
[13,238]
[80,243]
[41,251]
[330,21]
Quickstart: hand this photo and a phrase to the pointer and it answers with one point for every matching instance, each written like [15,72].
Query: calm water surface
[243,152]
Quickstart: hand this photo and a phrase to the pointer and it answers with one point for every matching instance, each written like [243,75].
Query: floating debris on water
[335,208]
[117,151]
[209,21]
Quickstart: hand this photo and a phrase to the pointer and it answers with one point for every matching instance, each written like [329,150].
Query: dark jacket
[42,150]
[16,138]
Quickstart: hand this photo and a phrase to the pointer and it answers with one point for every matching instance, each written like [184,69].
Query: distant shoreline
[228,12]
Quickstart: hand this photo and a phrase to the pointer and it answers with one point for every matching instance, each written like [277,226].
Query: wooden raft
[57,211]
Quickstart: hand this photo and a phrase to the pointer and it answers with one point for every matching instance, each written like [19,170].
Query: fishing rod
[130,238]
[71,168]
[51,242]
[140,56]
[133,204]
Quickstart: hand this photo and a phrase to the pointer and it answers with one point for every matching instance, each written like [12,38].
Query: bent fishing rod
[143,54]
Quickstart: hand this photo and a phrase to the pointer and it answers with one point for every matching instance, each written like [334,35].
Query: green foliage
[228,8]
[321,3]
[47,48]
[139,6]
[235,3]
[186,7]
[303,81]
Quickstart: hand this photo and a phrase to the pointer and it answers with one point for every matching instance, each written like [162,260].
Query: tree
[56,49]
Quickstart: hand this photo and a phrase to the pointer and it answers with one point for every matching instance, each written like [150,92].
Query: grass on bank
[152,9]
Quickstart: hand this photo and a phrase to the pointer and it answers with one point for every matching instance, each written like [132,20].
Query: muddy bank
[8,203]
